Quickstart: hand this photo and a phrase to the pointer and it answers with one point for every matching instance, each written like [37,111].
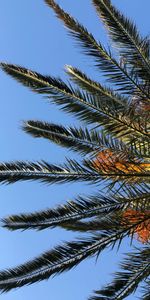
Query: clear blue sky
[31,36]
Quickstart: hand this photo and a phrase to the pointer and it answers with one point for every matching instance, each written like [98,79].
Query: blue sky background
[30,35]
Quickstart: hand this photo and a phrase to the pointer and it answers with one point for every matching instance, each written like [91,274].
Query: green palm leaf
[78,139]
[82,208]
[135,268]
[104,59]
[73,138]
[71,171]
[126,36]
[116,152]
[63,257]
[87,107]
[45,172]
[56,261]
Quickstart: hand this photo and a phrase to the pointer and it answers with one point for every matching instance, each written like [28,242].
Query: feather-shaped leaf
[72,100]
[104,59]
[83,207]
[56,261]
[71,211]
[77,139]
[71,171]
[118,157]
[45,172]
[124,33]
[87,107]
[135,268]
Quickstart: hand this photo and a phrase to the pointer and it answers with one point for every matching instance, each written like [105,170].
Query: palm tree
[114,149]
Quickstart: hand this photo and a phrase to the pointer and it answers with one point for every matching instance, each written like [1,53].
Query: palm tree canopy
[114,148]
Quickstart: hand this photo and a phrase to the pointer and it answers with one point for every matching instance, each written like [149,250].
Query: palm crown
[115,146]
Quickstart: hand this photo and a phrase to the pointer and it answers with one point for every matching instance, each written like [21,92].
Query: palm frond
[135,268]
[72,100]
[124,33]
[104,59]
[31,79]
[87,107]
[116,155]
[84,105]
[45,172]
[56,261]
[81,208]
[70,212]
[78,139]
[71,171]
